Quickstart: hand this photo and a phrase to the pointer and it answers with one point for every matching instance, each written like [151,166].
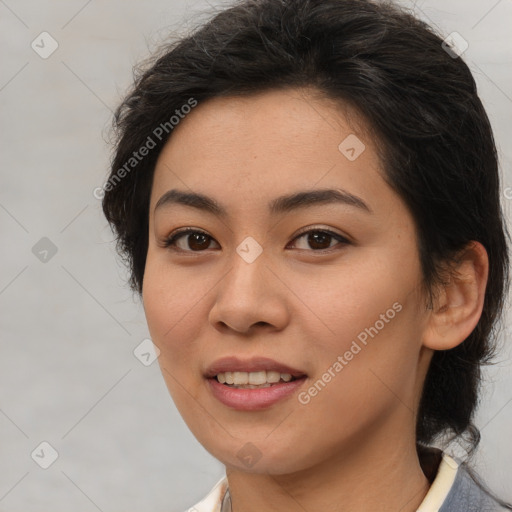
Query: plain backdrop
[69,323]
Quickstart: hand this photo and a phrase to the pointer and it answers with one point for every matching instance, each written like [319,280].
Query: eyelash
[170,242]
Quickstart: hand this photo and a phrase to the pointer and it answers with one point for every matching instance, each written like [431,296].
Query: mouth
[253,384]
[254,380]
[255,371]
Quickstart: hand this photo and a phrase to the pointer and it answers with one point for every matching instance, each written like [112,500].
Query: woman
[307,194]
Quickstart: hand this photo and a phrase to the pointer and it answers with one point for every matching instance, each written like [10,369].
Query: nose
[250,297]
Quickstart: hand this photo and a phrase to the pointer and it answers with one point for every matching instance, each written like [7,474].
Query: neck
[385,476]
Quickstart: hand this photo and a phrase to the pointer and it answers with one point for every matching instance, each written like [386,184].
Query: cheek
[372,312]
[354,300]
[358,384]
[172,305]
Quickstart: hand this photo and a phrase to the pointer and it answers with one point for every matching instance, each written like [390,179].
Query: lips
[255,364]
[250,398]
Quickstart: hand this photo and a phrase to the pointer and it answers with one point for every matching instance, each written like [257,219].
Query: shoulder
[467,495]
[213,500]
[455,488]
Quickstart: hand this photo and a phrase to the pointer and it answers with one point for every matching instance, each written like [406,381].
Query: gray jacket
[466,496]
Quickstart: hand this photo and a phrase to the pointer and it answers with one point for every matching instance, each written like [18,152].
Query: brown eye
[198,241]
[318,240]
[193,240]
[321,239]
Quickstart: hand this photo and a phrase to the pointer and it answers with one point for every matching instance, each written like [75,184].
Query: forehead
[268,144]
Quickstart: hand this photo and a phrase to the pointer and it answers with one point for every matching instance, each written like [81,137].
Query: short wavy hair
[418,98]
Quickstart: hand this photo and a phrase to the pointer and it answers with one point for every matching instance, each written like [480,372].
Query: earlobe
[459,302]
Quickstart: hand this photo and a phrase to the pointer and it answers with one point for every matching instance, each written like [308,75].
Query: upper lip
[255,364]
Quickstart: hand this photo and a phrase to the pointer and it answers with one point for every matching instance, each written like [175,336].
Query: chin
[271,457]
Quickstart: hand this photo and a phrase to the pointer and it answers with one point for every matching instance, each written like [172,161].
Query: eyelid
[324,229]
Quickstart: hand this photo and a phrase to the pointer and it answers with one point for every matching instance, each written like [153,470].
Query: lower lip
[253,399]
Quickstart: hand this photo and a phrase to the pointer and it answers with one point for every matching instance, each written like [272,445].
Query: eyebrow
[282,204]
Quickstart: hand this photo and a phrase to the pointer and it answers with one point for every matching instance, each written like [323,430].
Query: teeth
[256,378]
[251,379]
[274,376]
[241,378]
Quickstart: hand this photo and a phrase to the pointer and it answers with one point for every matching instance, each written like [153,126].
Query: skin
[352,447]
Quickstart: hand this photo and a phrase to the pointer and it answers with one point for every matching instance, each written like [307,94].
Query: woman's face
[283,278]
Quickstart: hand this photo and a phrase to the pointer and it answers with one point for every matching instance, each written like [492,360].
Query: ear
[459,302]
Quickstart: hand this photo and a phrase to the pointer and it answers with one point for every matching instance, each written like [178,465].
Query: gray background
[69,325]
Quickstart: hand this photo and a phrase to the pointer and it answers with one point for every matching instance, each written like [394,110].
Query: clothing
[453,490]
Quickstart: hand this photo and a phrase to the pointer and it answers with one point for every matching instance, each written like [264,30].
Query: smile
[253,380]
